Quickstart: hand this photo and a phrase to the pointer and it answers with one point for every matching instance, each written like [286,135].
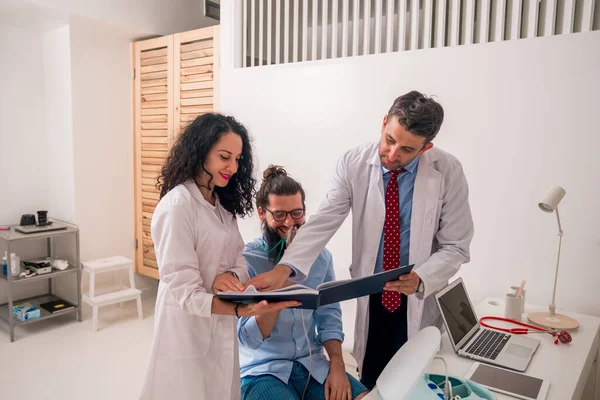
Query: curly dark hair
[189,153]
[418,114]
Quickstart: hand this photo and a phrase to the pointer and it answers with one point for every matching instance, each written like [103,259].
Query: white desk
[566,366]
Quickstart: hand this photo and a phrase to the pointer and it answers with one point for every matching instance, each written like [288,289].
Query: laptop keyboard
[488,344]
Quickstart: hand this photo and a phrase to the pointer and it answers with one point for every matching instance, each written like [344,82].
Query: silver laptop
[472,341]
[55,226]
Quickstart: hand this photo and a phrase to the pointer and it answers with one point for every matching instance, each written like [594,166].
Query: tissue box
[26,311]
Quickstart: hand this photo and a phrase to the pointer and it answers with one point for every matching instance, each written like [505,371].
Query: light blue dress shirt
[406,186]
[287,343]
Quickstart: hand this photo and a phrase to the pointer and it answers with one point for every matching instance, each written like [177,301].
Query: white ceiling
[152,17]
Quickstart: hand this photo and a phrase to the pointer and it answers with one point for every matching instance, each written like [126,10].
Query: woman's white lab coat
[440,234]
[194,353]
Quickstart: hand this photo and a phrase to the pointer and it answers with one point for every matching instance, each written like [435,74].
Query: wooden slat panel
[151,263]
[150,175]
[153,53]
[164,139]
[148,195]
[153,161]
[197,61]
[202,69]
[196,109]
[154,75]
[146,222]
[154,104]
[150,182]
[149,252]
[155,89]
[189,117]
[154,82]
[155,146]
[147,134]
[197,78]
[146,234]
[152,168]
[155,126]
[154,111]
[197,54]
[146,215]
[148,242]
[155,118]
[150,188]
[197,93]
[196,101]
[154,154]
[153,68]
[154,97]
[154,61]
[195,35]
[149,202]
[203,44]
[197,85]
[151,272]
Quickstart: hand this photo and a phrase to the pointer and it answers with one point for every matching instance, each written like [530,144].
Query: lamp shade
[553,196]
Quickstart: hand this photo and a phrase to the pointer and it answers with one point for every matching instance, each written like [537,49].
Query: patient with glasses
[276,359]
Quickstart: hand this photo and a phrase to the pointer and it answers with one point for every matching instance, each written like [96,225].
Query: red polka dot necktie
[391,238]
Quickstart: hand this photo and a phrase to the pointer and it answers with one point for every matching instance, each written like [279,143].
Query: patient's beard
[273,239]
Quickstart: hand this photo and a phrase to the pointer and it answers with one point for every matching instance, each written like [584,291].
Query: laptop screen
[458,312]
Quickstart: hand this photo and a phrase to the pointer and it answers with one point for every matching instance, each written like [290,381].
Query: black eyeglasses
[280,216]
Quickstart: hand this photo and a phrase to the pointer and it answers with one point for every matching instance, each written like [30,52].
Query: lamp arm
[552,307]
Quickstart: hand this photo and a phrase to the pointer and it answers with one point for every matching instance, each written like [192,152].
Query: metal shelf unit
[9,238]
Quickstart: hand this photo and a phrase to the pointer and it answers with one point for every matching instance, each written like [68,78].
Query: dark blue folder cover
[327,293]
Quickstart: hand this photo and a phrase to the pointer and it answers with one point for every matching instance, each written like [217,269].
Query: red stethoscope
[560,336]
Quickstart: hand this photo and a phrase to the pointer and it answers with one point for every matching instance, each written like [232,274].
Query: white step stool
[117,263]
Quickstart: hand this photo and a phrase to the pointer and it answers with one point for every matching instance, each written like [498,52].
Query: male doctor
[409,204]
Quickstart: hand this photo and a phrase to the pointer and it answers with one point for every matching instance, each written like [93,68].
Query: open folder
[326,293]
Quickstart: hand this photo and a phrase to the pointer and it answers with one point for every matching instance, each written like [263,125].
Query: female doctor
[205,185]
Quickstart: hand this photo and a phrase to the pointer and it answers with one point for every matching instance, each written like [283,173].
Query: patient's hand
[337,385]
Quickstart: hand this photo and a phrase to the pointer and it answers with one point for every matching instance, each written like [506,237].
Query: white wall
[101,76]
[58,122]
[520,116]
[23,143]
[22,125]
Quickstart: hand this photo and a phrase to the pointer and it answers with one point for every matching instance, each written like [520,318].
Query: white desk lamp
[551,319]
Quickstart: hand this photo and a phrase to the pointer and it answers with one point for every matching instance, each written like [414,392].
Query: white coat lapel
[424,209]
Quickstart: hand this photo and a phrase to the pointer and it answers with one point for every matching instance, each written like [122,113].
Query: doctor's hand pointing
[271,280]
[407,284]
